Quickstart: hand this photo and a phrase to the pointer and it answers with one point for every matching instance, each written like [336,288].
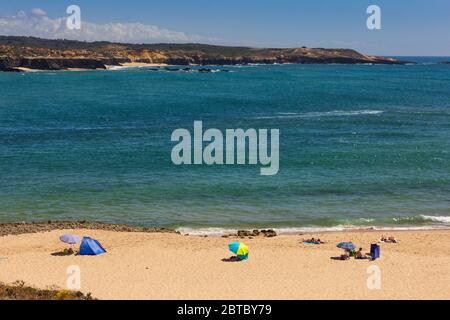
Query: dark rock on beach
[269,233]
[34,227]
[244,233]
[266,233]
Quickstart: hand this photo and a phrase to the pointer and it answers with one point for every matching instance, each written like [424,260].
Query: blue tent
[90,247]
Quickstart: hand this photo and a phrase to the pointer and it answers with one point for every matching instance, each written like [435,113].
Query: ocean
[360,146]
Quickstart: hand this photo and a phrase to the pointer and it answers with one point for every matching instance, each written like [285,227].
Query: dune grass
[19,291]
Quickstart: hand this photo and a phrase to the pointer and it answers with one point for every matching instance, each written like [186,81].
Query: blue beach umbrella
[70,238]
[346,246]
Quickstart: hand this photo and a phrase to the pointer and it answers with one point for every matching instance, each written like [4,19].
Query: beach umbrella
[70,238]
[346,246]
[240,249]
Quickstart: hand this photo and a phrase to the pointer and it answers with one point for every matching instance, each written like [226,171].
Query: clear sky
[409,27]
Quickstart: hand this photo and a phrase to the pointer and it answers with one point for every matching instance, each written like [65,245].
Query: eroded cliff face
[42,54]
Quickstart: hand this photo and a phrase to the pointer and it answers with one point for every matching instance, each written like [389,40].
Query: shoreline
[142,64]
[288,231]
[131,65]
[25,227]
[168,265]
[122,66]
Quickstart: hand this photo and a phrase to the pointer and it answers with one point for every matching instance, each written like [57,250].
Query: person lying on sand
[388,240]
[313,241]
[344,256]
[232,259]
[392,240]
[68,252]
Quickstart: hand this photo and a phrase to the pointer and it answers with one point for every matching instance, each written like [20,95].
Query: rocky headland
[18,53]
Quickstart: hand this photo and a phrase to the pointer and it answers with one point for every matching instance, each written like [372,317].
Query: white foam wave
[335,113]
[206,231]
[213,231]
[442,219]
[115,68]
[285,231]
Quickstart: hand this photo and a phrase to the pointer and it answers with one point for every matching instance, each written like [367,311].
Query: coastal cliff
[44,54]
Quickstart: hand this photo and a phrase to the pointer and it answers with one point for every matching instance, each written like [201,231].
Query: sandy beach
[142,64]
[135,65]
[140,265]
[125,65]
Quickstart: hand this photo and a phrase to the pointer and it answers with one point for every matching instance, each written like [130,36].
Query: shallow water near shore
[360,146]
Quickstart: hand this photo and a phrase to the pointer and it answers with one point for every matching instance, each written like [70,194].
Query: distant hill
[46,54]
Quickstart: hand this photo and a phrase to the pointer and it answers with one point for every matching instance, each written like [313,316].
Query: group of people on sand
[388,239]
[357,254]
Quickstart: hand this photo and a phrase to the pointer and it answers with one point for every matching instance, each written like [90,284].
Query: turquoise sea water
[360,145]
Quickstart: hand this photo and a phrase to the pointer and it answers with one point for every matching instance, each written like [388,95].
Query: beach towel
[90,247]
[310,242]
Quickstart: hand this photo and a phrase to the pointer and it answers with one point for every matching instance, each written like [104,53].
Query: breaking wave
[441,219]
[335,113]
[217,232]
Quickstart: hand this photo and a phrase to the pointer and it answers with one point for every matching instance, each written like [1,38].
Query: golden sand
[171,266]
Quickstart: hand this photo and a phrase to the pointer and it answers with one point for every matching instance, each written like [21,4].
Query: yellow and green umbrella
[240,249]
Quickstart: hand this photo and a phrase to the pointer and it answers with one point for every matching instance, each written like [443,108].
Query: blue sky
[409,27]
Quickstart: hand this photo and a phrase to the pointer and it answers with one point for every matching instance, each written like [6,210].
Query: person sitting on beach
[359,254]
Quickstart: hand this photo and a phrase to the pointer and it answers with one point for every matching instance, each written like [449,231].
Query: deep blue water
[359,145]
